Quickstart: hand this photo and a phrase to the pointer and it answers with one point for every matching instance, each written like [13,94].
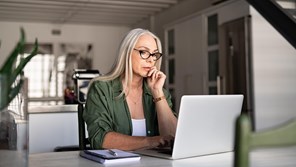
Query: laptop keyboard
[166,150]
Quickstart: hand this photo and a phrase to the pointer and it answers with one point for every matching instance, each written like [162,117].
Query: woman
[128,109]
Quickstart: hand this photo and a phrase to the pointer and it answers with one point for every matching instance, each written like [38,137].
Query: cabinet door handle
[219,85]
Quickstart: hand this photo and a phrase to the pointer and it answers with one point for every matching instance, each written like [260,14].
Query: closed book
[109,156]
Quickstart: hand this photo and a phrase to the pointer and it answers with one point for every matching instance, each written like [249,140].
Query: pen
[112,152]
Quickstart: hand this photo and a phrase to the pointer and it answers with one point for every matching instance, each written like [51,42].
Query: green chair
[246,139]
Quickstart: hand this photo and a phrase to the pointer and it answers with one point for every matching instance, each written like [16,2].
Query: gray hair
[123,63]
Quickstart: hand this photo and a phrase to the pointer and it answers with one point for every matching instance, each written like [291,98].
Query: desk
[12,158]
[260,158]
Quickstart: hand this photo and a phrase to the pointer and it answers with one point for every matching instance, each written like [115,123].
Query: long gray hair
[123,64]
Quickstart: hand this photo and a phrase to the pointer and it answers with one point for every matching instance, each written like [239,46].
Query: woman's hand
[156,81]
[160,141]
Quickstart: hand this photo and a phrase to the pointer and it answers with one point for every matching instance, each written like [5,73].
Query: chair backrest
[81,79]
[83,140]
[246,139]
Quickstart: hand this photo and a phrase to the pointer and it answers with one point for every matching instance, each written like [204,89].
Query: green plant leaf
[15,90]
[7,67]
[23,63]
[4,88]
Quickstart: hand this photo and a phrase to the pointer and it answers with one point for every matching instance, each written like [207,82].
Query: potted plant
[9,73]
[11,81]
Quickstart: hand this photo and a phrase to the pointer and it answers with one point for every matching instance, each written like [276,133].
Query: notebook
[206,125]
[109,156]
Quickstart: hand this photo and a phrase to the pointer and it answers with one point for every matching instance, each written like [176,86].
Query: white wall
[183,9]
[189,75]
[105,39]
[274,68]
[191,46]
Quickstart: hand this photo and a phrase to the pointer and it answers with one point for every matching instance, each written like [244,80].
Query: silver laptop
[205,126]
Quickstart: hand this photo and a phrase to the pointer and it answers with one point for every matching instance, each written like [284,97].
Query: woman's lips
[147,68]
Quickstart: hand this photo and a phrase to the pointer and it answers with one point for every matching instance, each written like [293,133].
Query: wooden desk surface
[283,157]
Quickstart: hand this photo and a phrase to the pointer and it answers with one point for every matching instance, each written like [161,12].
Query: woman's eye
[144,53]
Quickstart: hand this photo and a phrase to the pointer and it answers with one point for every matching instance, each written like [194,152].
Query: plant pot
[13,140]
[13,137]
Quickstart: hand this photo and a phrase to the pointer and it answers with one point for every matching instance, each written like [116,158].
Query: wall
[105,39]
[189,74]
[274,68]
[184,9]
[191,46]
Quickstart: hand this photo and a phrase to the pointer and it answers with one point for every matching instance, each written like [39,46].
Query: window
[45,81]
[50,74]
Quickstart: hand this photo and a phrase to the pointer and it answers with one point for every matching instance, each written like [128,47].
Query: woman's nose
[150,59]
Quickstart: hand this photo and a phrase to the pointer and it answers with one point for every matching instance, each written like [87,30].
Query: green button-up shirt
[105,112]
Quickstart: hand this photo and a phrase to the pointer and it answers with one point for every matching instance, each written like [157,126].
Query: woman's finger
[150,73]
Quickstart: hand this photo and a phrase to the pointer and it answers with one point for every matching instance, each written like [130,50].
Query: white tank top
[139,127]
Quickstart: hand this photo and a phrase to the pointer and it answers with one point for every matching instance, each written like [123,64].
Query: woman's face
[141,66]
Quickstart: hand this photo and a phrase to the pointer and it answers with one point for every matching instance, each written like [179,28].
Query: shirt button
[149,132]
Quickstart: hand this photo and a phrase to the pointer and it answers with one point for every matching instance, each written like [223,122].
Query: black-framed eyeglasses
[145,54]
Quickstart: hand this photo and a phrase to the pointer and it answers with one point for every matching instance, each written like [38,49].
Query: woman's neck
[136,83]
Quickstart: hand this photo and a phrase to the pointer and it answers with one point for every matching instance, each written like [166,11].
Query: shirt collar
[117,86]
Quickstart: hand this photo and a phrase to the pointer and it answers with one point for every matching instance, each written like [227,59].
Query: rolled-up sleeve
[97,114]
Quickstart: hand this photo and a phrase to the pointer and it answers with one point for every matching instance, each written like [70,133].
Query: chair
[83,140]
[246,140]
[81,80]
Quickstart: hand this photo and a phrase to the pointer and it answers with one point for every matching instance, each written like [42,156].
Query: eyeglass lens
[145,54]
